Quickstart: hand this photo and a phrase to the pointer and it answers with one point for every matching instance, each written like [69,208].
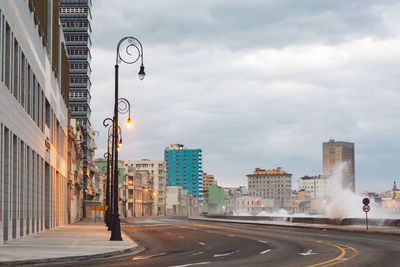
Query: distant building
[248,205]
[184,168]
[231,194]
[334,154]
[137,192]
[271,184]
[75,16]
[174,196]
[215,202]
[208,179]
[157,172]
[315,186]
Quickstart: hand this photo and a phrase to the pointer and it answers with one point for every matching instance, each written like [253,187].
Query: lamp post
[124,54]
[124,200]
[107,170]
[110,157]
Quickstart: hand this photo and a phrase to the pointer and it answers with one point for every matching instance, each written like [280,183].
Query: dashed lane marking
[201,243]
[225,254]
[147,257]
[192,264]
[198,253]
[265,251]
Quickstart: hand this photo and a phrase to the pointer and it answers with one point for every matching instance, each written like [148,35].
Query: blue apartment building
[184,168]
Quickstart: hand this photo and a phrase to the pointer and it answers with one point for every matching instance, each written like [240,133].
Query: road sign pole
[366,219]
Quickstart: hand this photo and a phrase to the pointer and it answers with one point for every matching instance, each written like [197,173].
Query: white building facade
[34,182]
[271,184]
[157,172]
[315,186]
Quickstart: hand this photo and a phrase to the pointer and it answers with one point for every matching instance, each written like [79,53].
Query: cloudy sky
[256,83]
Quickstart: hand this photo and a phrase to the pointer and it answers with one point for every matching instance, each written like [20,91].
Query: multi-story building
[315,186]
[208,179]
[248,205]
[174,196]
[271,184]
[157,172]
[139,193]
[184,168]
[338,163]
[231,194]
[75,17]
[34,180]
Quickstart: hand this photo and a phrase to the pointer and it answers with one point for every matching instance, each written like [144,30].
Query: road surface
[179,242]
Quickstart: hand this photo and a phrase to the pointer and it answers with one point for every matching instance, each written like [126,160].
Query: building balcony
[80,72]
[79,57]
[80,100]
[87,44]
[75,15]
[76,29]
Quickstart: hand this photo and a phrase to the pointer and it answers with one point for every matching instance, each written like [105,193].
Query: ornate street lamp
[127,49]
[110,156]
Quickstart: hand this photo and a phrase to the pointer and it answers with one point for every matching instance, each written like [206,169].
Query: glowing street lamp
[126,51]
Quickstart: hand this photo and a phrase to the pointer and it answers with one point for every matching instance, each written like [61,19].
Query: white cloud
[251,101]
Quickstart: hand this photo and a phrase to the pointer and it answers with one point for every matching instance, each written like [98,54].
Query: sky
[255,83]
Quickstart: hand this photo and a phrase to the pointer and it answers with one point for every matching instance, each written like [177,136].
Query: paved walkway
[83,240]
[344,228]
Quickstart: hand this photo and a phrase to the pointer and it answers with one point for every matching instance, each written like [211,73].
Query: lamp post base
[116,230]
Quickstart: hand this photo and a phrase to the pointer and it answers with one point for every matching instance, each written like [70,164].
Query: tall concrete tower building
[75,16]
[337,153]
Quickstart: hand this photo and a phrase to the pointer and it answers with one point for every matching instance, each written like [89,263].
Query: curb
[302,226]
[132,250]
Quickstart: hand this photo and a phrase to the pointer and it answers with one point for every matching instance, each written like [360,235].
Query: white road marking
[265,251]
[191,264]
[230,235]
[147,257]
[309,252]
[181,236]
[225,254]
[262,241]
[198,253]
[201,243]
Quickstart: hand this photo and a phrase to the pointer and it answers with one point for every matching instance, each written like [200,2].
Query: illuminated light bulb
[128,123]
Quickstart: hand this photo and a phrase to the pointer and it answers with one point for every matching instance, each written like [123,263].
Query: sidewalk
[78,241]
[343,228]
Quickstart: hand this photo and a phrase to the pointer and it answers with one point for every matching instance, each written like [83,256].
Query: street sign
[99,208]
[365,201]
[366,208]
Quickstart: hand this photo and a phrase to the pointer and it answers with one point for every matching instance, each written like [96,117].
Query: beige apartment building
[338,163]
[157,174]
[271,184]
[208,179]
[315,186]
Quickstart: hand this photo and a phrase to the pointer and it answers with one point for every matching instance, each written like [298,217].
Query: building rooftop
[278,170]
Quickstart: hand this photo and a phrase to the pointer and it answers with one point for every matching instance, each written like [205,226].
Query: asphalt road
[173,242]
